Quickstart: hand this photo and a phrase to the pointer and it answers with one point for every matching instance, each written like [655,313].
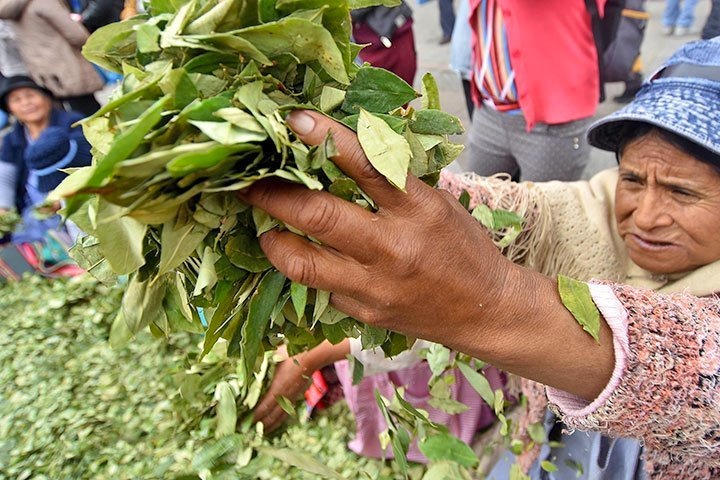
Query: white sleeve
[375,360]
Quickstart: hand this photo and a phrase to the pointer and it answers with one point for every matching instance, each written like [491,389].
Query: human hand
[76,17]
[419,264]
[290,380]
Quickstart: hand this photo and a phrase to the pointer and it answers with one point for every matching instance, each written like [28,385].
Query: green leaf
[207,276]
[178,242]
[436,122]
[378,91]
[148,38]
[258,319]
[331,98]
[121,239]
[301,460]
[228,134]
[400,441]
[210,20]
[211,454]
[226,411]
[302,38]
[444,446]
[243,250]
[299,295]
[438,358]
[142,304]
[576,297]
[548,466]
[430,93]
[286,405]
[446,471]
[125,143]
[212,156]
[387,151]
[355,4]
[357,368]
[106,43]
[536,432]
[478,382]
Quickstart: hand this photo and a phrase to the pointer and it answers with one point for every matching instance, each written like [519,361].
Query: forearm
[323,355]
[533,335]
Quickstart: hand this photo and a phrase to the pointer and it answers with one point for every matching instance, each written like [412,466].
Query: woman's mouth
[649,243]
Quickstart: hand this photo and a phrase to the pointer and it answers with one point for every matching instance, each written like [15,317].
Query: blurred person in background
[447,20]
[461,52]
[93,14]
[41,143]
[49,43]
[712,24]
[388,34]
[536,84]
[678,17]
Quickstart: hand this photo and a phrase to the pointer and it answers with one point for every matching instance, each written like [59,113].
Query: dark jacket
[98,13]
[15,147]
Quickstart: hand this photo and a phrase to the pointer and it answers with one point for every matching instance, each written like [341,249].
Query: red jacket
[554,57]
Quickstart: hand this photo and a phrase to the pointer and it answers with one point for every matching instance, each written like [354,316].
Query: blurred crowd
[46,86]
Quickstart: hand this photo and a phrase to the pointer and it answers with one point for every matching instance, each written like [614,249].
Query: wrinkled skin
[667,207]
[421,265]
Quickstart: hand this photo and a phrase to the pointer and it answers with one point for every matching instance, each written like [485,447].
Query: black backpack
[618,35]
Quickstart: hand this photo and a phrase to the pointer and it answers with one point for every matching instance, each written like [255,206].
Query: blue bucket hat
[682,97]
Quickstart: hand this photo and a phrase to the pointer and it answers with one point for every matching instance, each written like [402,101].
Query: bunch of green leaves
[200,115]
[9,220]
[71,407]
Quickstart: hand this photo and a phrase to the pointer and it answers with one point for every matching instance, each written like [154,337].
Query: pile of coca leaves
[199,115]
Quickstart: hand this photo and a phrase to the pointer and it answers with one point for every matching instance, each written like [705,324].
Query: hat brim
[690,111]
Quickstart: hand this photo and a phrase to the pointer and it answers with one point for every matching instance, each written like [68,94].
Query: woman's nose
[651,210]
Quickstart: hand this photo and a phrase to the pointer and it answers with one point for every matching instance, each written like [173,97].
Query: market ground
[434,58]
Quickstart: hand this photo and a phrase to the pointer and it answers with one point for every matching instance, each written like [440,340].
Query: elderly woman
[42,142]
[653,374]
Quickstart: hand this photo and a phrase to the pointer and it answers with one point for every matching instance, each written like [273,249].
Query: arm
[421,258]
[59,18]
[292,378]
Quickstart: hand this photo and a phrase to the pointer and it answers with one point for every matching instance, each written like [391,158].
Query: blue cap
[682,97]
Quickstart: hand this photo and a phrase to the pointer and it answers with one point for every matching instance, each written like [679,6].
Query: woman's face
[667,207]
[29,105]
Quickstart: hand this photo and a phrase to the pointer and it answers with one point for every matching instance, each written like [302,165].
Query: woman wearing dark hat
[42,142]
[421,266]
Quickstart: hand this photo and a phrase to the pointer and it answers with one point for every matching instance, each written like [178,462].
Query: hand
[291,379]
[76,17]
[421,265]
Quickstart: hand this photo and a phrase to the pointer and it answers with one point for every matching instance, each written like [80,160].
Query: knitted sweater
[570,229]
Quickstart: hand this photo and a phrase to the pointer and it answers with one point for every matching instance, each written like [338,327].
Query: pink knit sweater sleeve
[665,388]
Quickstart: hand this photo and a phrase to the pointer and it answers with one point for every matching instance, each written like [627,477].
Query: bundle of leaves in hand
[9,220]
[200,115]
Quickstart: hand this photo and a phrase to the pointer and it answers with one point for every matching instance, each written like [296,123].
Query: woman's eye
[630,179]
[681,192]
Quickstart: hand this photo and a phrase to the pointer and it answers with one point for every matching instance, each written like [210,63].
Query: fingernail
[301,122]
